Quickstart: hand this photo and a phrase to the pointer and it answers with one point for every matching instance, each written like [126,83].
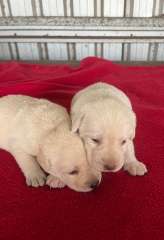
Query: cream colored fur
[37,133]
[104,119]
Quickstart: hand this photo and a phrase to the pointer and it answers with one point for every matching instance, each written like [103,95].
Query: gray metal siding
[90,8]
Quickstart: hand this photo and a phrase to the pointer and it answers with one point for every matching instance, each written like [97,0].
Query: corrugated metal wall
[60,51]
[76,8]
[116,43]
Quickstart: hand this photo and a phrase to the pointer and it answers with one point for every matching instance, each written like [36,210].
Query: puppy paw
[135,168]
[54,182]
[36,178]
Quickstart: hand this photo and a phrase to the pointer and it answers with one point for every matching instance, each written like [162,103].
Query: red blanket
[123,207]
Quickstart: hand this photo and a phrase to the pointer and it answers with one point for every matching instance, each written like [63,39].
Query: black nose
[94,184]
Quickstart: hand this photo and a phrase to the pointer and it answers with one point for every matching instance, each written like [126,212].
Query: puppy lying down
[104,119]
[37,133]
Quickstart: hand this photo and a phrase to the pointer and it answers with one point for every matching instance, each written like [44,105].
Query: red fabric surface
[123,207]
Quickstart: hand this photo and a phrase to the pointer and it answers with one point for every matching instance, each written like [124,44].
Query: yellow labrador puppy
[104,119]
[37,133]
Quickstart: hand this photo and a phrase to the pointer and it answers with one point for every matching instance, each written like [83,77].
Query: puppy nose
[94,184]
[108,167]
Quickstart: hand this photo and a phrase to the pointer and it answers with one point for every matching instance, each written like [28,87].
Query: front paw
[36,178]
[54,182]
[135,168]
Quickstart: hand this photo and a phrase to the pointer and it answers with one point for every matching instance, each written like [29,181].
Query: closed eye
[74,172]
[95,140]
[123,142]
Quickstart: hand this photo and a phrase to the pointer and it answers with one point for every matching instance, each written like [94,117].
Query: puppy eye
[123,142]
[74,172]
[97,141]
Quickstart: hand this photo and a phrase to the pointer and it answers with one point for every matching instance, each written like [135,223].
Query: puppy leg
[34,175]
[54,182]
[132,165]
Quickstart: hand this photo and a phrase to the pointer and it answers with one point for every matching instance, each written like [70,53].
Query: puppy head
[105,128]
[63,155]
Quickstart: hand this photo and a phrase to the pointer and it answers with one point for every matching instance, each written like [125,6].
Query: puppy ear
[77,120]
